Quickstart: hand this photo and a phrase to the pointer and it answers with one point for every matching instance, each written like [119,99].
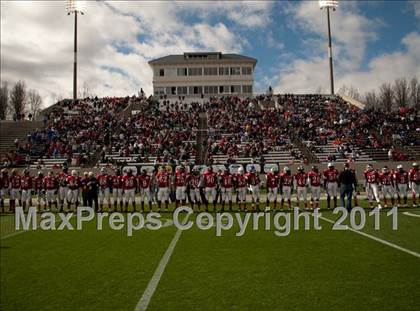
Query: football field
[171,269]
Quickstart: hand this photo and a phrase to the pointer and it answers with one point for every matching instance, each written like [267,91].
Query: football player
[26,185]
[4,187]
[129,186]
[104,189]
[331,184]
[180,186]
[144,182]
[117,190]
[51,187]
[240,184]
[301,184]
[272,186]
[15,184]
[387,183]
[209,182]
[401,182]
[286,185]
[63,188]
[194,188]
[73,185]
[253,181]
[371,184]
[414,176]
[314,178]
[226,188]
[162,180]
[40,190]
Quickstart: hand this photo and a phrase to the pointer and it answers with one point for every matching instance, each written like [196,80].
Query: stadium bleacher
[280,129]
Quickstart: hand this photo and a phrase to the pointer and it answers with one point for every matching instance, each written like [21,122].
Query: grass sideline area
[313,269]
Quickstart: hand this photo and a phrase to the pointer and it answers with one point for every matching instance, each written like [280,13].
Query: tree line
[389,96]
[17,101]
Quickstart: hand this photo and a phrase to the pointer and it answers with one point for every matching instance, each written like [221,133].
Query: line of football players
[163,186]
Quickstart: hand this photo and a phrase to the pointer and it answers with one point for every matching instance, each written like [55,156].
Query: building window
[235,71]
[161,72]
[246,70]
[182,90]
[210,89]
[223,71]
[159,90]
[210,71]
[195,71]
[224,89]
[182,72]
[235,89]
[195,90]
[247,89]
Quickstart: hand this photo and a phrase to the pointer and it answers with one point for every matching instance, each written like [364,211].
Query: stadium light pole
[329,4]
[74,7]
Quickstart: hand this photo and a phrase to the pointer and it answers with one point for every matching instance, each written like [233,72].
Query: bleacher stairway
[12,130]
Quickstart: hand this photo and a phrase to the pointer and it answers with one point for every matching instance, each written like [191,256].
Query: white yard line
[411,214]
[13,234]
[400,248]
[154,281]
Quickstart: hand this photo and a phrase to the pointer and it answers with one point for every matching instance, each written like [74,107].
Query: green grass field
[306,270]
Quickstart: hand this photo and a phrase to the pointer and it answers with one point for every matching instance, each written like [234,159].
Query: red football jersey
[144,181]
[401,177]
[209,179]
[15,181]
[26,182]
[331,175]
[252,179]
[286,179]
[194,181]
[73,182]
[129,182]
[104,181]
[240,181]
[62,179]
[314,179]
[180,179]
[272,180]
[162,179]
[371,176]
[227,180]
[385,179]
[50,183]
[301,179]
[414,175]
[117,182]
[38,183]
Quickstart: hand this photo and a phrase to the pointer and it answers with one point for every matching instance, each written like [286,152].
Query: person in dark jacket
[92,194]
[348,183]
[84,181]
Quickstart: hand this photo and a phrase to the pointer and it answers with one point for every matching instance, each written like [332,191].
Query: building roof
[201,57]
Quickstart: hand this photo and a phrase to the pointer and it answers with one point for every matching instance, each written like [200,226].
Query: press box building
[193,74]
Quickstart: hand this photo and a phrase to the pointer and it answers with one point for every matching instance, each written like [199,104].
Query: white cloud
[352,32]
[116,40]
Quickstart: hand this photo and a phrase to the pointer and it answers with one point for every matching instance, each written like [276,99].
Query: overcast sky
[373,42]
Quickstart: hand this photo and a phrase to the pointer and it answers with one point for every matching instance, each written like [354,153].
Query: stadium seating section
[279,129]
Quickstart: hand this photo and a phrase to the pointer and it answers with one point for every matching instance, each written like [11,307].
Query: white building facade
[207,74]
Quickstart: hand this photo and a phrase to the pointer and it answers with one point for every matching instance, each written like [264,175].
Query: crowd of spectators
[167,129]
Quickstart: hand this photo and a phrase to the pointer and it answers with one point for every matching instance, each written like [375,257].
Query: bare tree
[401,90]
[386,96]
[414,95]
[4,100]
[18,98]
[86,90]
[351,92]
[371,100]
[35,102]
